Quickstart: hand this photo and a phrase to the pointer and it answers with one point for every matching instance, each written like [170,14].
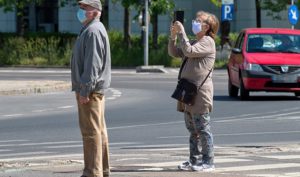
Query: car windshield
[273,43]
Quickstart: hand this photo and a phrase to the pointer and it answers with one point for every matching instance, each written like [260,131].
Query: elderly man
[91,75]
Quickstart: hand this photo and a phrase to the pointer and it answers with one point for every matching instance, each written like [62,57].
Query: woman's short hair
[212,22]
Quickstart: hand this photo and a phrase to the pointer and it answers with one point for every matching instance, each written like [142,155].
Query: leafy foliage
[275,7]
[217,3]
[161,6]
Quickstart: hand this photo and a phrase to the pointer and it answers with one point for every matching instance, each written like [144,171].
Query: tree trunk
[127,27]
[20,22]
[258,13]
[155,30]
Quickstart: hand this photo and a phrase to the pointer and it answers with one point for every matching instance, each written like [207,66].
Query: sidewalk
[14,87]
[231,161]
[76,171]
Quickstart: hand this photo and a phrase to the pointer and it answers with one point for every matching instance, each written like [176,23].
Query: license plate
[285,79]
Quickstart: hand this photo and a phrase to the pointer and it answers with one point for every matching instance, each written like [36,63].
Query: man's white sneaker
[203,167]
[185,166]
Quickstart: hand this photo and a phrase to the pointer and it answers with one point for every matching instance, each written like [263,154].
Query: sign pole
[146,36]
[292,2]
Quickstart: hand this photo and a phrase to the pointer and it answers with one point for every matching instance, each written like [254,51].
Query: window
[285,43]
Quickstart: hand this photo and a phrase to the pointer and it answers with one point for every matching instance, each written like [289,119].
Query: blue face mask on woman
[196,27]
[81,15]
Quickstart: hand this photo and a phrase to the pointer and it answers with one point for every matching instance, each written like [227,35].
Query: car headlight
[253,67]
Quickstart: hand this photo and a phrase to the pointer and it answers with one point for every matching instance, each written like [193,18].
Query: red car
[265,59]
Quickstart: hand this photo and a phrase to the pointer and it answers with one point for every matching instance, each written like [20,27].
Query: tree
[21,8]
[158,7]
[258,13]
[127,4]
[275,7]
[217,3]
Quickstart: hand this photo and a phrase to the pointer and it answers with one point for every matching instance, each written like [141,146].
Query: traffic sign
[227,12]
[293,14]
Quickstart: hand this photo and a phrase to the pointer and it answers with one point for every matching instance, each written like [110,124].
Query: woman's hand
[173,32]
[83,100]
[178,27]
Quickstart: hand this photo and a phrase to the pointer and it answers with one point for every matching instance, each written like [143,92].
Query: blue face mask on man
[81,15]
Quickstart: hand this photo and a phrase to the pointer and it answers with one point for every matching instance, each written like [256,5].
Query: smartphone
[178,16]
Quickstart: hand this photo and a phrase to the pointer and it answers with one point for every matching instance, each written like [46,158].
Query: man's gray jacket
[91,62]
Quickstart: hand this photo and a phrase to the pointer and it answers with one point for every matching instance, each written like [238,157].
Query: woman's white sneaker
[203,167]
[185,166]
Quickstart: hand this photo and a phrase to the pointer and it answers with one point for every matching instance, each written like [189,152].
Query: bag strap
[205,79]
[181,67]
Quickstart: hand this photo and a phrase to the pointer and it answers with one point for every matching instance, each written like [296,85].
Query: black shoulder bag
[186,91]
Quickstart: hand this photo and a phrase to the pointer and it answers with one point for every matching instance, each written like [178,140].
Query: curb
[37,89]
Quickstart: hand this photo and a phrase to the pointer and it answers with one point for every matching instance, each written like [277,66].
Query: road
[142,123]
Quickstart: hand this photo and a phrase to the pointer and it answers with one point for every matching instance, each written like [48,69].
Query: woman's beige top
[201,58]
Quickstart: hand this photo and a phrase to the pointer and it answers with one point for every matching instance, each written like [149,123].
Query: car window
[238,41]
[240,45]
[285,43]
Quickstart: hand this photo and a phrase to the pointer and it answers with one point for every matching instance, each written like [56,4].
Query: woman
[200,55]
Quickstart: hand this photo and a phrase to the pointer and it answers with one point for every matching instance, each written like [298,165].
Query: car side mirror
[236,50]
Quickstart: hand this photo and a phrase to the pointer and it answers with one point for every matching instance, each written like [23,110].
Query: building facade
[49,17]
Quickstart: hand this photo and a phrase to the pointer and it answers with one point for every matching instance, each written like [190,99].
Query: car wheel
[233,91]
[244,93]
[297,94]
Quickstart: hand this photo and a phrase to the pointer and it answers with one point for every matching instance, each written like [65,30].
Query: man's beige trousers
[94,134]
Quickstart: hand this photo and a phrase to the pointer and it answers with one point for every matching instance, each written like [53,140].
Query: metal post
[292,3]
[146,36]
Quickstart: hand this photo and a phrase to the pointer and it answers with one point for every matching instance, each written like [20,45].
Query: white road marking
[7,145]
[274,116]
[64,146]
[12,115]
[257,133]
[253,115]
[111,98]
[283,157]
[65,107]
[175,163]
[236,134]
[35,144]
[5,150]
[47,157]
[145,125]
[123,143]
[25,154]
[49,143]
[155,146]
[172,137]
[297,174]
[169,149]
[127,159]
[151,169]
[10,141]
[289,118]
[41,110]
[127,155]
[229,160]
[258,167]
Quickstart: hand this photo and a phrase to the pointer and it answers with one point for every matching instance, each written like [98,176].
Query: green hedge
[55,49]
[36,49]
